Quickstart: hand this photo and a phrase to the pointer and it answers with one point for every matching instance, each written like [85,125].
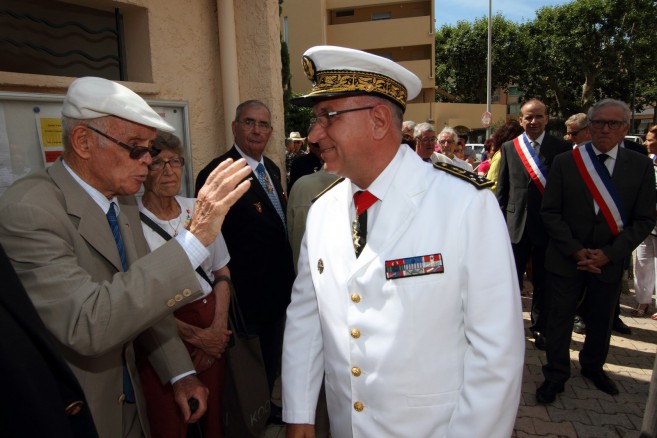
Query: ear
[81,142]
[382,121]
[234,128]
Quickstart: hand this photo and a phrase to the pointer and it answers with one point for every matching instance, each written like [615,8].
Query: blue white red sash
[599,183]
[537,172]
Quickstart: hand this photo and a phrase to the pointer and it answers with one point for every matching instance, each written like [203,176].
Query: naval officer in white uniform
[418,331]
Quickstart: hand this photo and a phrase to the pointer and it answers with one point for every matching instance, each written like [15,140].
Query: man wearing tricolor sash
[524,168]
[599,204]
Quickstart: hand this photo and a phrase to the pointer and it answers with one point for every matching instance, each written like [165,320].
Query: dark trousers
[522,252]
[562,295]
[271,345]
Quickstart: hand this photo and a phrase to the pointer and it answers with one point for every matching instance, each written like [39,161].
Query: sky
[451,11]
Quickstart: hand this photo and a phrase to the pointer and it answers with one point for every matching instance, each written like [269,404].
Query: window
[381,16]
[63,39]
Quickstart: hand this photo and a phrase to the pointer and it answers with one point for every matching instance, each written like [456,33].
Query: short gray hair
[578,120]
[452,132]
[627,113]
[420,128]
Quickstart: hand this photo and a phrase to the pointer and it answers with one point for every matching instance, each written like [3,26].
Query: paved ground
[582,410]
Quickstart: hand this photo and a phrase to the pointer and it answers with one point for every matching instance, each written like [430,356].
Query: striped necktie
[269,188]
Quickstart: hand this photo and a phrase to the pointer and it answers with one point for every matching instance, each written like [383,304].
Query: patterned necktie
[128,390]
[362,200]
[114,225]
[537,146]
[269,188]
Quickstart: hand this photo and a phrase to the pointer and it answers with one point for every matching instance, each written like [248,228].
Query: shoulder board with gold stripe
[476,180]
[329,187]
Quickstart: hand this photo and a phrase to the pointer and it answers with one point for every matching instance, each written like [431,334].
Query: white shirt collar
[98,197]
[250,161]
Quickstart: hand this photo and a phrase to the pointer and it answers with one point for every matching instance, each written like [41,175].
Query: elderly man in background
[74,236]
[577,130]
[447,141]
[425,142]
[293,150]
[413,337]
[599,204]
[524,169]
[408,132]
[255,229]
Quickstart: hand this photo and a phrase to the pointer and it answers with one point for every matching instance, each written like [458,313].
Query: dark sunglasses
[136,152]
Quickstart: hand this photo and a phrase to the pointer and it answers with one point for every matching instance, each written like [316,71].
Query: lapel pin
[258,207]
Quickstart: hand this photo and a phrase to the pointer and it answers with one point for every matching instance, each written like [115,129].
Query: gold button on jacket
[356,371]
[358,406]
[355,333]
[355,298]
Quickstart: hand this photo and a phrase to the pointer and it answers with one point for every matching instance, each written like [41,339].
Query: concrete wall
[183,48]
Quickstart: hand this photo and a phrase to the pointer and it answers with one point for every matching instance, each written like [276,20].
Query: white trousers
[645,265]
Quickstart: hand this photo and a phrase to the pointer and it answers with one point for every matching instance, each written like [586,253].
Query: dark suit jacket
[37,384]
[518,196]
[303,165]
[260,255]
[571,222]
[636,147]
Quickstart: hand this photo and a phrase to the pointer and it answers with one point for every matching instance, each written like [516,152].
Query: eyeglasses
[250,124]
[427,139]
[574,133]
[325,119]
[613,124]
[175,163]
[136,152]
[445,141]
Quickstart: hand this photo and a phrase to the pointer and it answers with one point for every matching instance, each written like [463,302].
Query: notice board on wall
[30,134]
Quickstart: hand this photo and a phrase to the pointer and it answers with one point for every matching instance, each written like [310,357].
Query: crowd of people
[368,324]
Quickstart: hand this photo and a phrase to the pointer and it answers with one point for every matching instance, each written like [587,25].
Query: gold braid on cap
[340,81]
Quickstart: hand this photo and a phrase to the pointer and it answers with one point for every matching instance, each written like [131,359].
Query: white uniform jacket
[438,355]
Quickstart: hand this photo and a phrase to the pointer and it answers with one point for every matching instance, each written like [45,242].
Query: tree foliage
[461,54]
[569,56]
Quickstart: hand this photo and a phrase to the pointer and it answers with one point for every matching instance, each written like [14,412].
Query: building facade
[206,54]
[401,30]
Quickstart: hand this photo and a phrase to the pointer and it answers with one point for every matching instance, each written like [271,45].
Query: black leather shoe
[579,326]
[547,392]
[601,381]
[620,327]
[539,340]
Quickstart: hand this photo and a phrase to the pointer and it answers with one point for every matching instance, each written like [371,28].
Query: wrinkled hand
[222,189]
[212,340]
[300,431]
[593,260]
[191,387]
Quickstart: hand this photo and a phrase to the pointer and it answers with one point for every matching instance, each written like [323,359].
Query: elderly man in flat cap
[74,236]
[413,338]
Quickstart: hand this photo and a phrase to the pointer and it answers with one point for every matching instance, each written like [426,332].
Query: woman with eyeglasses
[202,324]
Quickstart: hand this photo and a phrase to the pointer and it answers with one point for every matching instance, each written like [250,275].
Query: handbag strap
[236,319]
[166,236]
